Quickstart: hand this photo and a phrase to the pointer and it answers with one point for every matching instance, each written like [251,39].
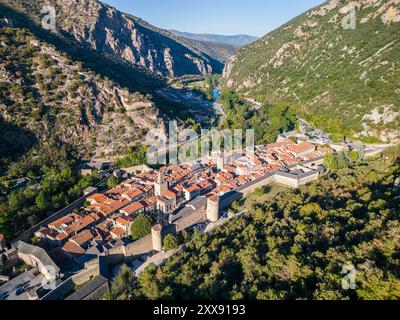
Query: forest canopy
[297,245]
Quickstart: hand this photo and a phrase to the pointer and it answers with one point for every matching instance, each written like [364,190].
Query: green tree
[170,242]
[42,201]
[121,285]
[141,227]
[134,156]
[186,236]
[335,162]
[295,245]
[112,182]
[353,155]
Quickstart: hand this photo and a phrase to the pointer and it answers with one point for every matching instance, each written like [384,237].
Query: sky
[225,17]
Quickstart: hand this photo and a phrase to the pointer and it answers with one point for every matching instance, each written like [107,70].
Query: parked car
[200,227]
[19,290]
[3,295]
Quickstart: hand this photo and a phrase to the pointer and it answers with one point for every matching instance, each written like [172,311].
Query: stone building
[156,236]
[213,208]
[37,258]
[161,185]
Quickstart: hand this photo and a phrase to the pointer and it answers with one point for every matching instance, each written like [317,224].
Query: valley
[85,212]
[344,81]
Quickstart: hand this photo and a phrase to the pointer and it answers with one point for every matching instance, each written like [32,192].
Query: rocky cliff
[338,64]
[122,36]
[48,95]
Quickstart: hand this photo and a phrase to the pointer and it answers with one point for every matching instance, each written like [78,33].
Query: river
[216,94]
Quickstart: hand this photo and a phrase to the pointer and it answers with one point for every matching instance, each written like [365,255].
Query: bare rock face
[124,37]
[47,91]
[56,96]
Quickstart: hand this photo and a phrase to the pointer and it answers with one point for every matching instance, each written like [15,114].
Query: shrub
[141,227]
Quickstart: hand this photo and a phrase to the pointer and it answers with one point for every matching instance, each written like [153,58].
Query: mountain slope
[123,37]
[219,51]
[45,95]
[343,81]
[237,40]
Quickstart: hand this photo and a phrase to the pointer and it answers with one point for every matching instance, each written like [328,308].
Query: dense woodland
[58,187]
[335,77]
[49,116]
[294,246]
[267,122]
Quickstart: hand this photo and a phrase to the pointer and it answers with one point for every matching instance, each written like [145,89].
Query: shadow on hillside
[15,143]
[119,71]
[122,73]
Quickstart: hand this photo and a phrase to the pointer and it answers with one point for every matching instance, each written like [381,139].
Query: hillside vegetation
[267,122]
[345,81]
[45,94]
[219,51]
[295,245]
[122,37]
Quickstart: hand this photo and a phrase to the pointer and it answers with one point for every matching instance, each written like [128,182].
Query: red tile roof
[222,189]
[83,237]
[302,147]
[118,231]
[95,216]
[110,207]
[124,221]
[133,208]
[117,190]
[150,201]
[169,194]
[73,249]
[205,184]
[133,193]
[192,188]
[97,198]
[281,144]
[45,231]
[62,236]
[67,220]
[179,188]
[80,225]
[214,198]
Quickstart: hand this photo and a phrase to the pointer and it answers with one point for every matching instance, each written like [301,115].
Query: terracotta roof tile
[83,237]
[118,231]
[73,249]
[133,208]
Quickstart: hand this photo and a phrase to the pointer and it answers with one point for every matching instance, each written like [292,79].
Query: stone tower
[156,236]
[213,208]
[221,162]
[161,185]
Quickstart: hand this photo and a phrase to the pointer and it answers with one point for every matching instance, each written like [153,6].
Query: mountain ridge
[339,80]
[238,40]
[123,37]
[48,95]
